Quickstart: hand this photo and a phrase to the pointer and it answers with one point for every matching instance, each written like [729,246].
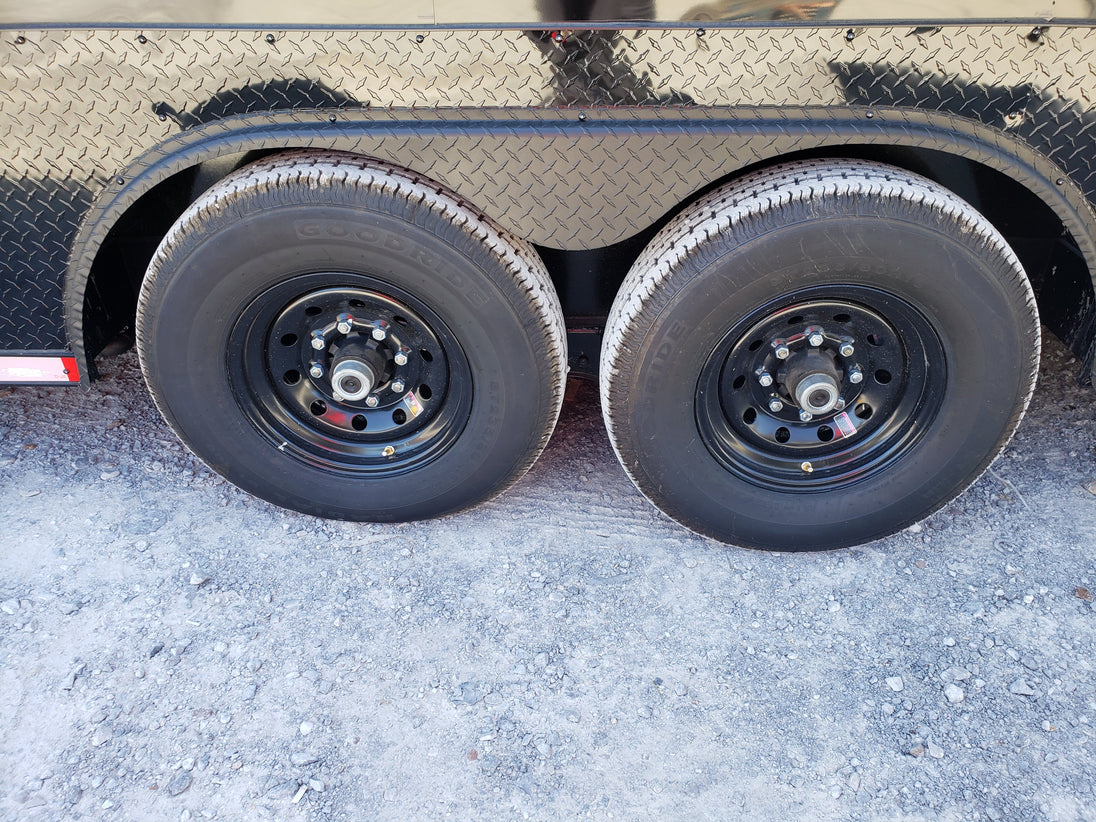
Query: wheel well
[110,302]
[587,280]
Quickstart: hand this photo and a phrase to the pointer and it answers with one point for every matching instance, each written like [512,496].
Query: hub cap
[821,388]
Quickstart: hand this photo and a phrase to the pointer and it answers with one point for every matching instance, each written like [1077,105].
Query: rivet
[120,180]
[419,38]
[142,39]
[161,117]
[1061,181]
[270,38]
[850,35]
[582,116]
[1035,34]
[20,40]
[870,114]
[701,32]
[332,118]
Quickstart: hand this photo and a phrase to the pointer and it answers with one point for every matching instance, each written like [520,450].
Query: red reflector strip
[38,369]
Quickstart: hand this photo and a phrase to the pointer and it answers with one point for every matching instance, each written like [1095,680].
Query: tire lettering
[313,229]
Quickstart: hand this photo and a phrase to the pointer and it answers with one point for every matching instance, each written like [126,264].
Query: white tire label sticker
[844,424]
[413,404]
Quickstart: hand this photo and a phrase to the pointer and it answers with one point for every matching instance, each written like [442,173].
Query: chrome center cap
[351,380]
[817,393]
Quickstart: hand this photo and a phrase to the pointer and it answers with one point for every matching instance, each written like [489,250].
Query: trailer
[806,248]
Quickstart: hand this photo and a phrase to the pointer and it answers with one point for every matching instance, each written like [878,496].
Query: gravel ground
[175,649]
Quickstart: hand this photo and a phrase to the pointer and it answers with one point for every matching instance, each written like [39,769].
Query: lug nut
[765,378]
[318,342]
[846,349]
[805,416]
[815,338]
[400,358]
[398,386]
[775,405]
[316,370]
[380,330]
[840,406]
[371,401]
[782,352]
[856,375]
[345,323]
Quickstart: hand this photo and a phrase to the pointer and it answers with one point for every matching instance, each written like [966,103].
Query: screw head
[371,401]
[805,416]
[400,358]
[775,405]
[379,334]
[846,349]
[316,371]
[782,352]
[318,341]
[388,451]
[815,339]
[765,378]
[806,467]
[856,375]
[398,386]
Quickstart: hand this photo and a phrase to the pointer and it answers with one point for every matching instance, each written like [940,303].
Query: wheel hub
[818,393]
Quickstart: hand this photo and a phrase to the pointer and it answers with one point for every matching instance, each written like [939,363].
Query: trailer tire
[817,355]
[346,339]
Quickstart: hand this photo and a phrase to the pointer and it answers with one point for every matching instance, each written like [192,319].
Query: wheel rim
[865,366]
[349,374]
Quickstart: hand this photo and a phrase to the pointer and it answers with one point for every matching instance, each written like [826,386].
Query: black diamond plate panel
[81,109]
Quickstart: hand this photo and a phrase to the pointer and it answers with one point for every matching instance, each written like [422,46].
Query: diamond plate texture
[82,109]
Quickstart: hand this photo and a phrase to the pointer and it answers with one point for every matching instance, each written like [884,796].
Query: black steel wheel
[349,377]
[338,337]
[817,356]
[825,387]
